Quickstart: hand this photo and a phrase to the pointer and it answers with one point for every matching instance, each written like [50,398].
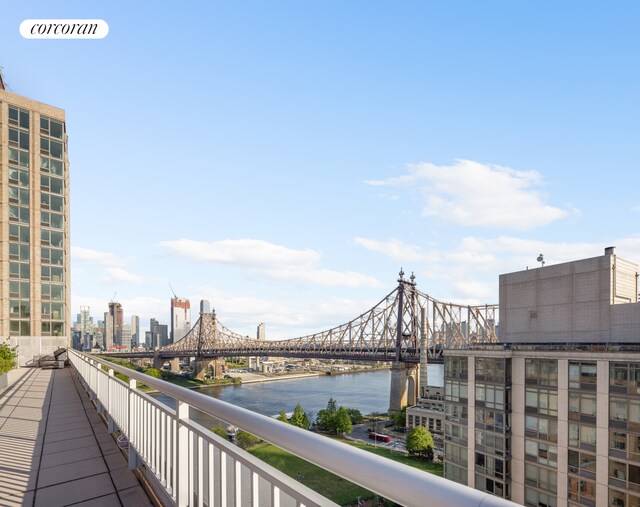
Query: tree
[153,372]
[326,416]
[355,415]
[245,440]
[420,442]
[342,421]
[8,356]
[299,418]
[282,416]
[400,418]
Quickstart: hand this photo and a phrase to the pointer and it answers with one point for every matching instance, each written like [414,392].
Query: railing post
[110,403]
[132,423]
[92,380]
[182,455]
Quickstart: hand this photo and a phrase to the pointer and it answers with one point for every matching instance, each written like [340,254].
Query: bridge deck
[55,449]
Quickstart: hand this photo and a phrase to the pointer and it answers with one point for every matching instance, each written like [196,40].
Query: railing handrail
[394,481]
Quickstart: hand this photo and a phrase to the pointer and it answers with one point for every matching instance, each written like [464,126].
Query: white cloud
[120,275]
[243,252]
[396,249]
[480,195]
[281,315]
[269,260]
[96,257]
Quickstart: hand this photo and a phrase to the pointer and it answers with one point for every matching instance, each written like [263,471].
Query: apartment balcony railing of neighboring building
[187,464]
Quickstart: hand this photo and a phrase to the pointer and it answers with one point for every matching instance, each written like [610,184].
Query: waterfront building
[180,318]
[551,416]
[34,226]
[428,412]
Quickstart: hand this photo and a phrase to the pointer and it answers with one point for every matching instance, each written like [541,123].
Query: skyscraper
[113,325]
[180,318]
[205,306]
[34,226]
[135,331]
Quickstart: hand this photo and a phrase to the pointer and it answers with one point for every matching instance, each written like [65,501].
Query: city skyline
[285,162]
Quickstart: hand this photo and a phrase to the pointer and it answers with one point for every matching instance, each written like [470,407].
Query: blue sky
[285,159]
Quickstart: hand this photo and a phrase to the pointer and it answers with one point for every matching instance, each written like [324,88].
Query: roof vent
[610,250]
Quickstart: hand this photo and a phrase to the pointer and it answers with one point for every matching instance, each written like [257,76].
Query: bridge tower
[404,377]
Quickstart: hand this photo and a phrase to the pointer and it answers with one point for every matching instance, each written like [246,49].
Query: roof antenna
[540,259]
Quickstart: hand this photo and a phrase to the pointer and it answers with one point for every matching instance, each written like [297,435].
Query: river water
[366,391]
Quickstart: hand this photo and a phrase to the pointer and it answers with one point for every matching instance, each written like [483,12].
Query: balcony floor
[55,449]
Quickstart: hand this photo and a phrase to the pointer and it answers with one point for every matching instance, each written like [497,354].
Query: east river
[366,391]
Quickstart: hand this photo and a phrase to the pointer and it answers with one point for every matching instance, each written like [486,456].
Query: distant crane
[174,292]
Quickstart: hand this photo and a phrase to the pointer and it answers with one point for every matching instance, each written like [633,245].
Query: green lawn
[327,484]
[420,464]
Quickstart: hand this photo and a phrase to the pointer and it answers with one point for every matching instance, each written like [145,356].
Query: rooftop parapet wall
[570,302]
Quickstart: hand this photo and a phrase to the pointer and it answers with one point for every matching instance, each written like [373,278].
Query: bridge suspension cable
[389,331]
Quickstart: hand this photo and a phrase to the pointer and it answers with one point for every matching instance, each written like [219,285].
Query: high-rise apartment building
[34,226]
[551,416]
[180,318]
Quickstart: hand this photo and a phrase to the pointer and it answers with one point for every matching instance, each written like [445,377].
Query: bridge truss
[396,329]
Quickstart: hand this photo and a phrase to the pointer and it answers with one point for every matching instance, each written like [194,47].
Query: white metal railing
[198,468]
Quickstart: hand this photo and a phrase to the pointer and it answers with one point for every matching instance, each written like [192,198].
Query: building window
[541,428]
[541,452]
[580,462]
[541,372]
[492,370]
[622,499]
[18,139]
[491,419]
[582,405]
[51,184]
[624,412]
[455,453]
[455,412]
[51,165]
[492,443]
[51,127]
[541,401]
[456,367]
[18,177]
[18,117]
[582,375]
[628,475]
[18,233]
[538,498]
[51,148]
[455,473]
[496,488]
[490,396]
[581,489]
[580,434]
[456,391]
[540,477]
